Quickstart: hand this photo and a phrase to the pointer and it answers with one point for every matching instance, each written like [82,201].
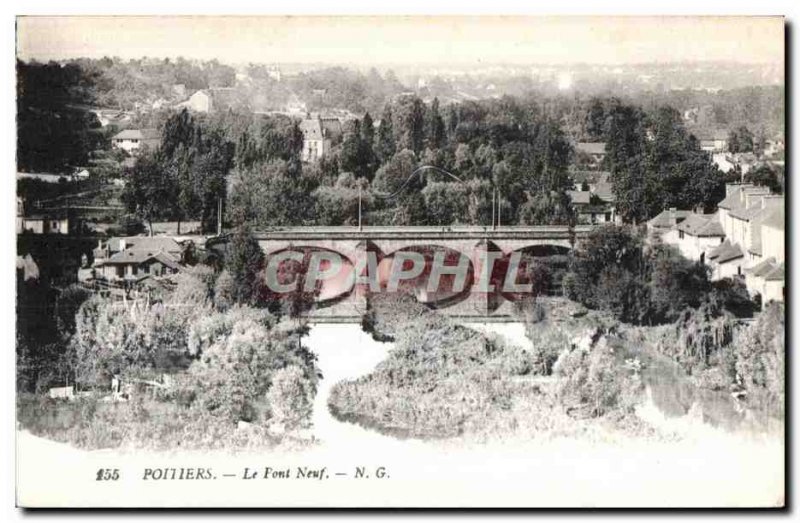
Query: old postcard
[430,261]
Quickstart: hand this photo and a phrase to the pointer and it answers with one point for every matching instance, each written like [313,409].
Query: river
[345,352]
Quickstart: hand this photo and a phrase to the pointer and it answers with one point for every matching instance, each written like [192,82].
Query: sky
[423,40]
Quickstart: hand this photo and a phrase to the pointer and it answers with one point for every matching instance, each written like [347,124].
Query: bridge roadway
[353,242]
[454,232]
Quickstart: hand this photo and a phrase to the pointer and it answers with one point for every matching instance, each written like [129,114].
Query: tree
[741,140]
[148,193]
[435,130]
[409,124]
[385,146]
[55,130]
[245,264]
[547,208]
[393,175]
[353,156]
[447,203]
[596,120]
[271,193]
[765,176]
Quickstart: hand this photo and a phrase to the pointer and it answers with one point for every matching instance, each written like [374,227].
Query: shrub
[291,397]
[235,371]
[760,359]
[593,382]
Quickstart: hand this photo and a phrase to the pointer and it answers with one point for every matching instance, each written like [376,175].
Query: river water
[345,352]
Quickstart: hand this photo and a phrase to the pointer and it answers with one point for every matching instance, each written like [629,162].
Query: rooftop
[580,197]
[591,147]
[725,252]
[590,177]
[138,134]
[701,225]
[665,219]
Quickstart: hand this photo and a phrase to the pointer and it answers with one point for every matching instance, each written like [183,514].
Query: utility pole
[498,210]
[494,193]
[359,208]
[219,217]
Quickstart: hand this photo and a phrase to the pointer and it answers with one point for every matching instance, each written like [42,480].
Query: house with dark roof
[753,220]
[744,239]
[666,220]
[133,264]
[696,235]
[590,209]
[728,260]
[134,257]
[132,140]
[319,135]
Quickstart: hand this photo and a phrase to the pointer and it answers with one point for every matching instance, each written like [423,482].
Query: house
[594,150]
[131,140]
[666,220]
[136,257]
[50,221]
[135,264]
[200,102]
[588,180]
[106,249]
[696,235]
[766,279]
[319,135]
[716,142]
[753,220]
[591,208]
[728,260]
[723,161]
[211,100]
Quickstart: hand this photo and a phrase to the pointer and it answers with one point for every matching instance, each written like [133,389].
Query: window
[680,234]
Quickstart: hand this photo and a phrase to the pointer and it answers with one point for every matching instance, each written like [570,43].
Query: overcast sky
[365,41]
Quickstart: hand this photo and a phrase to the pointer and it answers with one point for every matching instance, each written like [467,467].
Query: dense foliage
[56,132]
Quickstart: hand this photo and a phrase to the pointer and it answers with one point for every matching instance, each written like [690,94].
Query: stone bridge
[470,241]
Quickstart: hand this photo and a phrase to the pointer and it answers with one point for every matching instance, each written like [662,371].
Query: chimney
[772,201]
[122,244]
[672,219]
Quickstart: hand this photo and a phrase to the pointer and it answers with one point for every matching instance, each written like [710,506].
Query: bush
[593,382]
[760,359]
[237,368]
[291,397]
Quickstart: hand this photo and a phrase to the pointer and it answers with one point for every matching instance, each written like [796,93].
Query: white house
[696,236]
[319,135]
[132,140]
